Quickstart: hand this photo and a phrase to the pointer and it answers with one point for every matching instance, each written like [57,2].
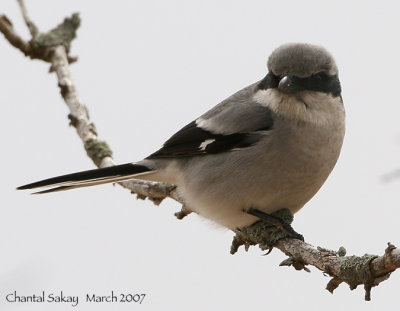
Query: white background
[147,68]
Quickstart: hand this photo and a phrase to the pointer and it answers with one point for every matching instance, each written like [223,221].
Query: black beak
[286,85]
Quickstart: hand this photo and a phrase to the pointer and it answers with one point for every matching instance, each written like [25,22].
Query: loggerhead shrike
[269,146]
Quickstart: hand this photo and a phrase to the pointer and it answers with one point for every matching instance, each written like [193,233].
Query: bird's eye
[318,76]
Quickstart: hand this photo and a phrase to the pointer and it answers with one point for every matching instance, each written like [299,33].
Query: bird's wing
[236,123]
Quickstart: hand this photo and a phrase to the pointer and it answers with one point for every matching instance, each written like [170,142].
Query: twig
[7,29]
[31,26]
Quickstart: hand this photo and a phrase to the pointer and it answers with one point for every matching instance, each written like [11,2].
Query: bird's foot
[280,219]
[267,232]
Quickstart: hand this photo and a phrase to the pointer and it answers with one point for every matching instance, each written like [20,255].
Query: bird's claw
[278,223]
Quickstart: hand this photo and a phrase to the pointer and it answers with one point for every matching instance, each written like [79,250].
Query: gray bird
[269,146]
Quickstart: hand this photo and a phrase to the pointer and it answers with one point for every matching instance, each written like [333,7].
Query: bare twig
[7,29]
[31,26]
[53,47]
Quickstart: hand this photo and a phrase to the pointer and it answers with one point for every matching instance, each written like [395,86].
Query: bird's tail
[89,178]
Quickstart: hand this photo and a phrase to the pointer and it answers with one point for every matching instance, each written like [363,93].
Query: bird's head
[297,67]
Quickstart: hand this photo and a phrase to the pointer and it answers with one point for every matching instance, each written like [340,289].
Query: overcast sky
[147,68]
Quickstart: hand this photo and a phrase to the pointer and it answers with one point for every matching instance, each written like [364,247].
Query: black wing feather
[188,142]
[244,119]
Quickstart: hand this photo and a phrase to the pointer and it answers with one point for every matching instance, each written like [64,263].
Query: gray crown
[302,60]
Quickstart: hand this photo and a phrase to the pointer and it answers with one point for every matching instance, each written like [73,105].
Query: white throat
[314,107]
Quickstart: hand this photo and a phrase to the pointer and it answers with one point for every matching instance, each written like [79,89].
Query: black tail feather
[91,177]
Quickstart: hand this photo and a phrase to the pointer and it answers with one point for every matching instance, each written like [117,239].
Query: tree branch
[53,47]
[7,29]
[98,150]
[367,270]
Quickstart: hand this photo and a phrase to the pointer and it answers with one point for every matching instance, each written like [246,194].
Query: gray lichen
[360,265]
[97,150]
[63,34]
[356,270]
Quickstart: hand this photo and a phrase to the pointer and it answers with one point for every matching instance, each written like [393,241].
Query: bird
[269,146]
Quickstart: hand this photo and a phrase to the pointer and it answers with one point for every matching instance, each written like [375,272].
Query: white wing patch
[201,123]
[205,143]
[211,126]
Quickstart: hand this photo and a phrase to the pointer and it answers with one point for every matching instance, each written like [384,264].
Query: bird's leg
[277,222]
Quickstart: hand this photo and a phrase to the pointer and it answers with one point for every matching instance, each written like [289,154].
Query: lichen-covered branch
[98,150]
[53,48]
[367,270]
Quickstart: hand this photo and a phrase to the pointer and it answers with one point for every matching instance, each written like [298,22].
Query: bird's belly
[227,205]
[280,179]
